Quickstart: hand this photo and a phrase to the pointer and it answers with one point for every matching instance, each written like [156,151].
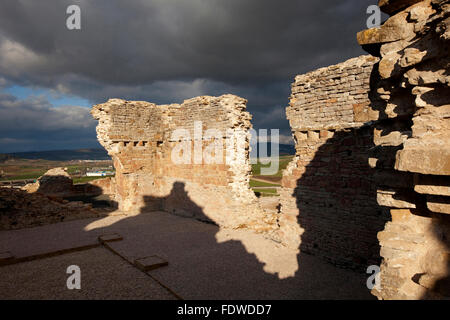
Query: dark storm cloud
[34,124]
[166,51]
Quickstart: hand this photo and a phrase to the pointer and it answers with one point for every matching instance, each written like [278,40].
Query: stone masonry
[369,184]
[328,201]
[373,146]
[412,140]
[139,137]
[21,209]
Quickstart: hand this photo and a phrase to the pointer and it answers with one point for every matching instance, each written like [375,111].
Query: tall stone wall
[328,201]
[412,146]
[140,138]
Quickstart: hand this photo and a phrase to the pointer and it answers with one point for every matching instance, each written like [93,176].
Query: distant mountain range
[283,149]
[60,155]
[93,154]
[287,149]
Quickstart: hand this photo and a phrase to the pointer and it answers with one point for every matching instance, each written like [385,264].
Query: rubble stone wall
[21,209]
[139,137]
[328,201]
[413,146]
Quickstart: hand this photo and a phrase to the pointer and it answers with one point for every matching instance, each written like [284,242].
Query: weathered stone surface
[328,202]
[55,182]
[394,138]
[431,159]
[393,6]
[404,105]
[104,186]
[432,185]
[368,136]
[395,28]
[414,48]
[139,137]
[438,204]
[20,209]
[334,97]
[395,199]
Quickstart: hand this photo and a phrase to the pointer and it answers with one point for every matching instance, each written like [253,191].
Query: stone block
[400,215]
[427,159]
[150,263]
[150,167]
[313,135]
[323,134]
[432,185]
[393,6]
[438,204]
[113,237]
[360,112]
[395,28]
[395,199]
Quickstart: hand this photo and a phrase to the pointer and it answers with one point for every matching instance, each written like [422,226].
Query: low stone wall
[328,203]
[57,182]
[21,209]
[140,138]
[412,146]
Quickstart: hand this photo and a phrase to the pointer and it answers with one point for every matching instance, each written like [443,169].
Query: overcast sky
[162,51]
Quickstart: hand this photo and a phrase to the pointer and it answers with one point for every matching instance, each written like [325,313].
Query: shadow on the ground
[208,262]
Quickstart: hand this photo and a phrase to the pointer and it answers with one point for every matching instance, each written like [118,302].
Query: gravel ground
[103,276]
[205,262]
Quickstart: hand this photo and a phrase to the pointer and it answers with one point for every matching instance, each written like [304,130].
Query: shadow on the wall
[442,231]
[337,201]
[177,202]
[60,186]
[403,182]
[337,194]
[440,286]
[51,204]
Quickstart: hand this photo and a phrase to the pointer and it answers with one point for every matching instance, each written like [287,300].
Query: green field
[265,192]
[21,169]
[274,191]
[26,169]
[24,175]
[283,162]
[256,184]
[272,181]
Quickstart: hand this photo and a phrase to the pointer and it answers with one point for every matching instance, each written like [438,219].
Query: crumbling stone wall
[413,146]
[394,127]
[328,201]
[57,182]
[139,137]
[47,201]
[21,209]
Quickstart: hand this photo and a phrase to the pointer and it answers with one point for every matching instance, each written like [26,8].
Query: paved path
[205,262]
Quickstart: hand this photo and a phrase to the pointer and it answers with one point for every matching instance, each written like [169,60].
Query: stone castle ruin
[369,183]
[412,146]
[139,137]
[328,201]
